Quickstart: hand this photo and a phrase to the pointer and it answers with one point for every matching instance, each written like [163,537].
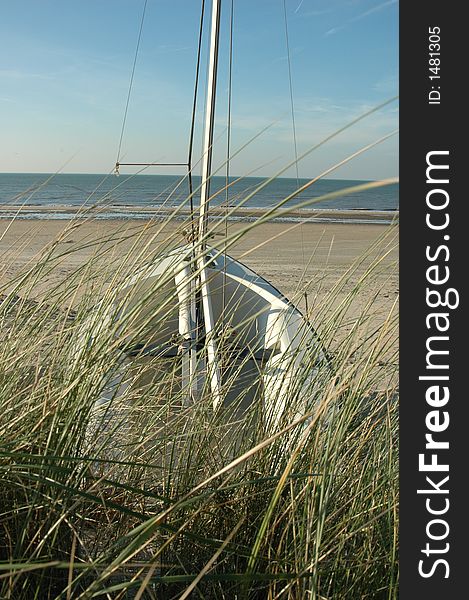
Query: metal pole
[211,344]
[209,121]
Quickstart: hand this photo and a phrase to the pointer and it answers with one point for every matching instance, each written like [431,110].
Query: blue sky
[65,69]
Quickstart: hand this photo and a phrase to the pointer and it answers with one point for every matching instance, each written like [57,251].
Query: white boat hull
[266,350]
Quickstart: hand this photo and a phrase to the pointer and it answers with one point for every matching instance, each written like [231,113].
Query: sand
[328,260]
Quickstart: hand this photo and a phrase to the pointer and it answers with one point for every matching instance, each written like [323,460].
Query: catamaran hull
[265,349]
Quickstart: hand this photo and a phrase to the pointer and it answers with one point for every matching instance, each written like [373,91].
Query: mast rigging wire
[228,148]
[292,108]
[130,85]
[194,109]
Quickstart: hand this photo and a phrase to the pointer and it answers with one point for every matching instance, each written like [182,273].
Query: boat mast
[210,333]
[209,122]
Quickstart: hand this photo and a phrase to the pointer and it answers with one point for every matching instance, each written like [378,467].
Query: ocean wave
[33,215]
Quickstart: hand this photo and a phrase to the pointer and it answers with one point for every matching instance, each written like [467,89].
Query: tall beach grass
[149,496]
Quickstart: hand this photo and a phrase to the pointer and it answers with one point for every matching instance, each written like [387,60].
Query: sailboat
[233,336]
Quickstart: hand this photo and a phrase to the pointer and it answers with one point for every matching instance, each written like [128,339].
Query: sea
[137,196]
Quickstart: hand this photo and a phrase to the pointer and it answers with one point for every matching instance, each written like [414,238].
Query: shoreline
[126,212]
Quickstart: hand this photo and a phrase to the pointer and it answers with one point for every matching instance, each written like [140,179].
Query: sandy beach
[325,260]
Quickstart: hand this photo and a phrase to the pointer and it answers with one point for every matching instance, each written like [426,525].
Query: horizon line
[232,176]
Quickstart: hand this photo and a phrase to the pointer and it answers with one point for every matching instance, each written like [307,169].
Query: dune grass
[151,497]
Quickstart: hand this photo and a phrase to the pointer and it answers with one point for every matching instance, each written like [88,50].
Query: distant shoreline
[118,212]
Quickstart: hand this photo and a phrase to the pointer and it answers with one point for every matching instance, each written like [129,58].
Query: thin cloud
[17,74]
[361,16]
[334,30]
[387,85]
[317,13]
[374,9]
[169,49]
[299,6]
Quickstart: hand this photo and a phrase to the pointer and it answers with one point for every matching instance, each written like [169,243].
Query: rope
[228,146]
[228,120]
[130,85]
[291,91]
[194,108]
[292,108]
